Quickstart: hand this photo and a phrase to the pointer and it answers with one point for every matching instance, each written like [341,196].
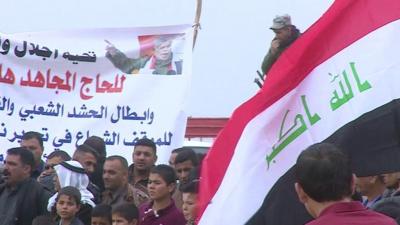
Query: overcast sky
[230,46]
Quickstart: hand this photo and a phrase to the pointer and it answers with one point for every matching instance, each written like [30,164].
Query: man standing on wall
[285,35]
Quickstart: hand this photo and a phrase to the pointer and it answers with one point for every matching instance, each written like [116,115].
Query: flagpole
[196,25]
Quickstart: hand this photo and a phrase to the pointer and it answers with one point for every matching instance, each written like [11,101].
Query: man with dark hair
[392,183]
[173,155]
[325,183]
[22,198]
[372,187]
[98,144]
[60,155]
[47,176]
[185,161]
[117,188]
[144,157]
[88,158]
[390,202]
[285,34]
[33,142]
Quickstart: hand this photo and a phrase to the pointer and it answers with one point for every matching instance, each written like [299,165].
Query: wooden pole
[196,24]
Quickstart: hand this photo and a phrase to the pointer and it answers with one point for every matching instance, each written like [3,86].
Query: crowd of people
[94,188]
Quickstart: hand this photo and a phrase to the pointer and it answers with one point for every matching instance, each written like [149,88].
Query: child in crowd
[189,196]
[125,214]
[161,209]
[101,215]
[67,205]
[71,173]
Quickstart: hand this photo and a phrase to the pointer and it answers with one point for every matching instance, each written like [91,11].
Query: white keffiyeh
[67,177]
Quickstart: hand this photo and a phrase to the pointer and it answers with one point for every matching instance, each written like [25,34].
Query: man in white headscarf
[71,173]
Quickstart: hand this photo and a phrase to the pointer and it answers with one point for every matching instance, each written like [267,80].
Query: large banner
[119,84]
[337,83]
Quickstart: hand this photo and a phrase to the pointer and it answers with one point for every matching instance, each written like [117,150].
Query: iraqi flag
[339,82]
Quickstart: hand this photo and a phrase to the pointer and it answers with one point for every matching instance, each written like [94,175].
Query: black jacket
[32,199]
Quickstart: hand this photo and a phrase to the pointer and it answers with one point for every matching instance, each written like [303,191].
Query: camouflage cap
[280,22]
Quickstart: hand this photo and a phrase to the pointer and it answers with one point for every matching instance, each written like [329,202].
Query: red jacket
[167,216]
[350,213]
